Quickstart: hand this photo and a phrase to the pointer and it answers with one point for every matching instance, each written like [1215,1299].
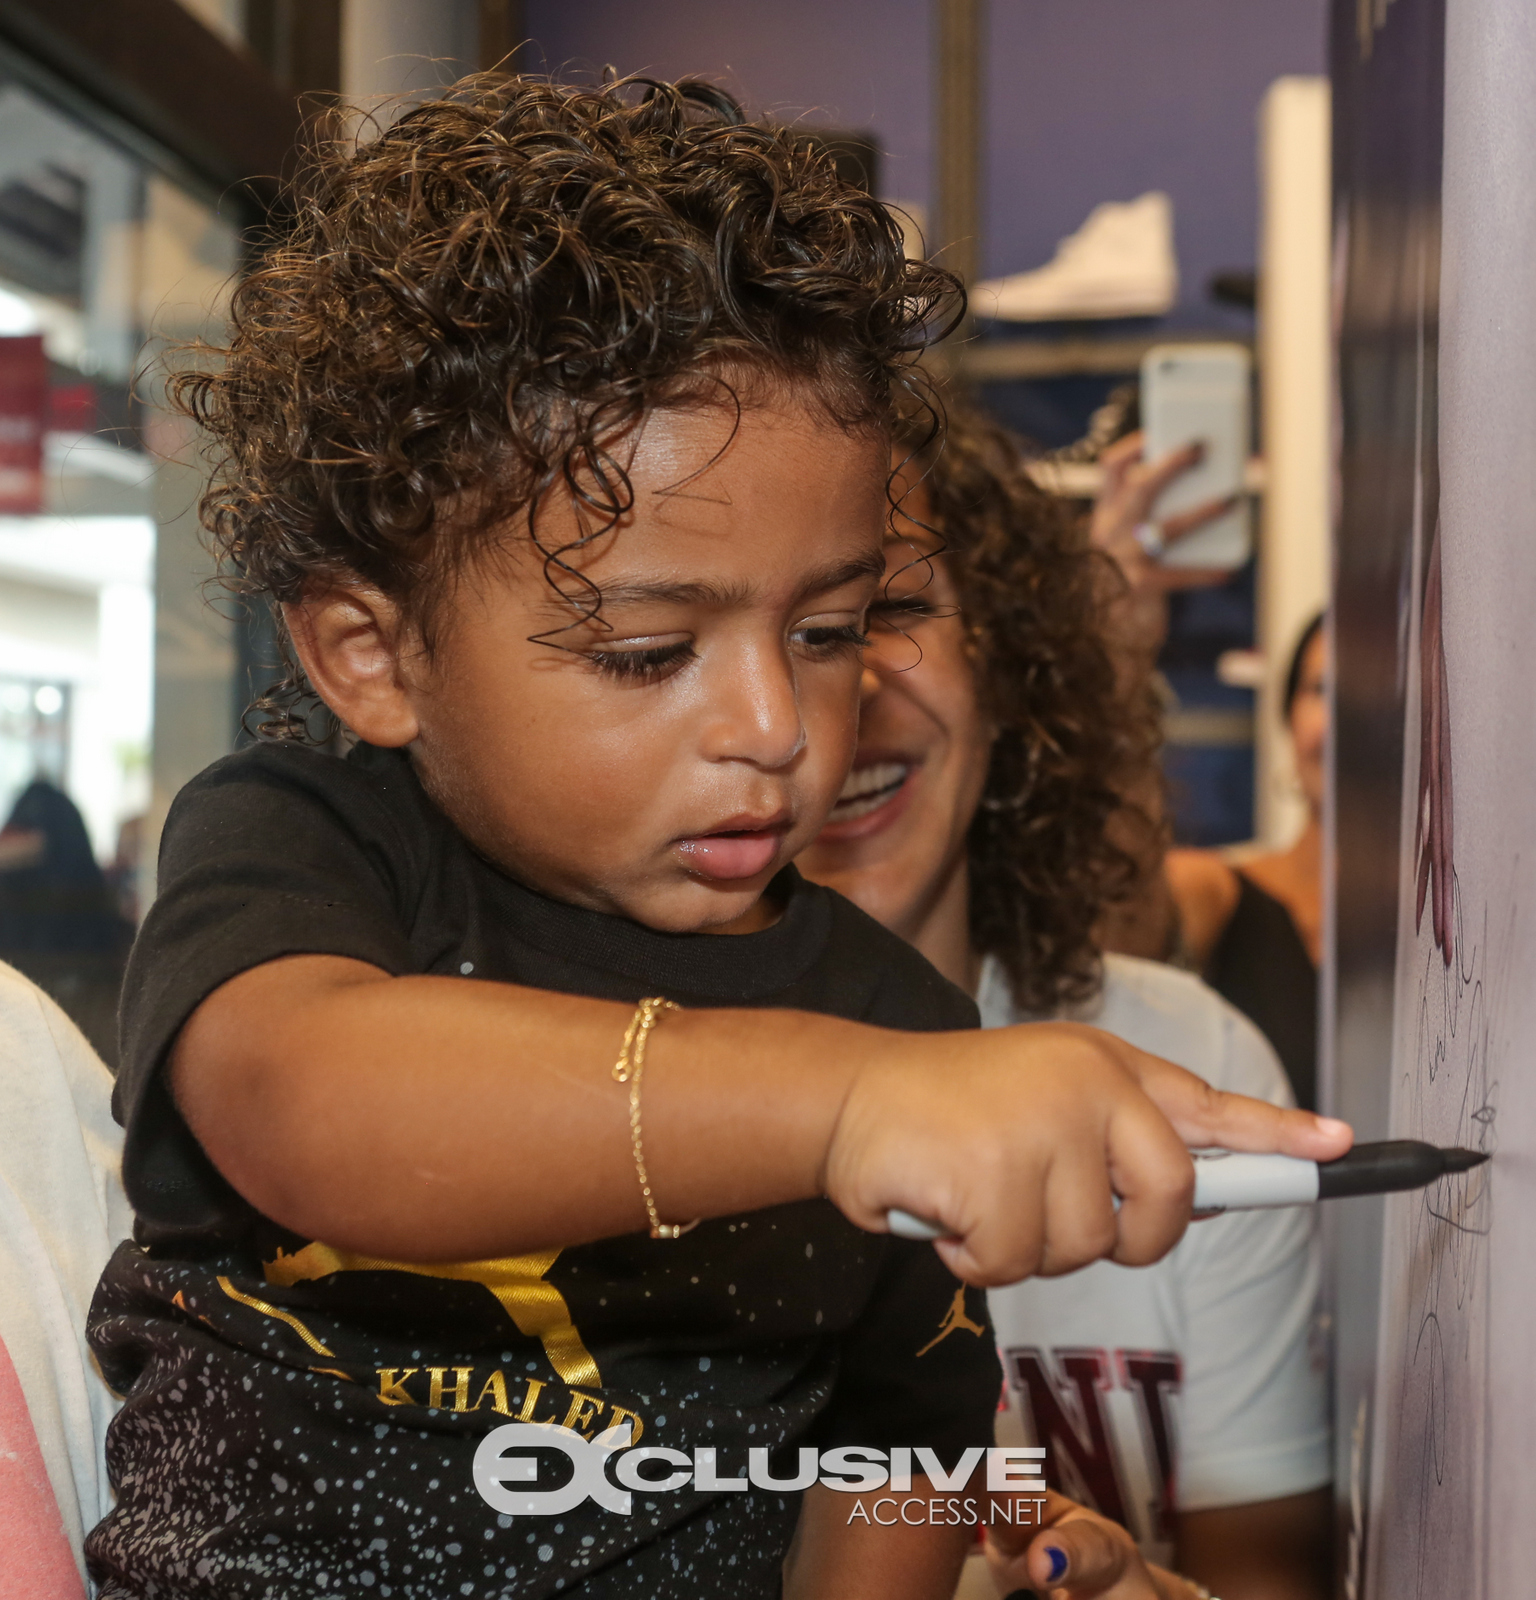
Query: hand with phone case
[1123,514]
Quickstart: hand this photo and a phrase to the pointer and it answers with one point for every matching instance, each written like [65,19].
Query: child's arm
[838,1555]
[431,1118]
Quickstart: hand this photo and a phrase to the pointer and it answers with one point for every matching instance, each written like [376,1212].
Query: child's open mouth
[731,853]
[869,788]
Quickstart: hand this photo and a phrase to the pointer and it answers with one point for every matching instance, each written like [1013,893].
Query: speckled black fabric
[300,1422]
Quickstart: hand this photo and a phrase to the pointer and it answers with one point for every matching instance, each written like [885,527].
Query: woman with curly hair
[985,821]
[559,431]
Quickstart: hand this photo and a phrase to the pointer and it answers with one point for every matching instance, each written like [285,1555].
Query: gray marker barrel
[1227,1180]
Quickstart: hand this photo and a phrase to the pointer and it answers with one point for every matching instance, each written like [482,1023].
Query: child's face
[666,761]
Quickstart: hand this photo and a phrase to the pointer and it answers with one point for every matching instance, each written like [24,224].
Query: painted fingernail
[1058,1563]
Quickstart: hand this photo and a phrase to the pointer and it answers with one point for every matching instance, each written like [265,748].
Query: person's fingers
[1203,1116]
[1080,1213]
[1006,1245]
[1185,523]
[1151,1170]
[1080,1557]
[1156,475]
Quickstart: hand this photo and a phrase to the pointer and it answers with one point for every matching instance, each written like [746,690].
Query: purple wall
[1104,99]
[859,64]
[1089,100]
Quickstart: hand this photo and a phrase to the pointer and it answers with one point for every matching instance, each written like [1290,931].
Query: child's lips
[732,853]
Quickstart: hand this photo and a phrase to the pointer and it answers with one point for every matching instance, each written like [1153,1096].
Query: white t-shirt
[62,1211]
[1197,1382]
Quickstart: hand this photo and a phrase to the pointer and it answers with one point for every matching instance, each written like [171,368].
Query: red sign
[23,417]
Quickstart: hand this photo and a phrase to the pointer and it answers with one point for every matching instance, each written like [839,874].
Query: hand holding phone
[1196,398]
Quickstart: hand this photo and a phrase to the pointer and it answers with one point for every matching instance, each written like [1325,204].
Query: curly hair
[481,296]
[1049,847]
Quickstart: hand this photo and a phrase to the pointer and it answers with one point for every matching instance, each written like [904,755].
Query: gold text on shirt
[534,1304]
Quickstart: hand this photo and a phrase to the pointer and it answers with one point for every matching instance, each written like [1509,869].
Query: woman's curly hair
[1058,835]
[469,304]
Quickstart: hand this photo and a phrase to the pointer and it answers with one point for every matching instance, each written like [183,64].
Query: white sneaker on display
[1120,263]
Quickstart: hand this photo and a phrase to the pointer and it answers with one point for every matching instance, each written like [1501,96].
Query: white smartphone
[1199,394]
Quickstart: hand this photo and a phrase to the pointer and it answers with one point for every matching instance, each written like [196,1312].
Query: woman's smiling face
[896,840]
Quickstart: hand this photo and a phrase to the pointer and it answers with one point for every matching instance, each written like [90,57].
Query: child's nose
[757,715]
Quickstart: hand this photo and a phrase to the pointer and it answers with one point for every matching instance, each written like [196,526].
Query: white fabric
[1234,1301]
[62,1211]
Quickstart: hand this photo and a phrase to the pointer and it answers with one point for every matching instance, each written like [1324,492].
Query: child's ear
[350,640]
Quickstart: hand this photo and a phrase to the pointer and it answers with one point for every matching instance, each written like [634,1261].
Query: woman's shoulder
[1179,1016]
[1206,890]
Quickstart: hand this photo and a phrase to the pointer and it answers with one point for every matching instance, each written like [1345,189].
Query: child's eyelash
[827,641]
[640,664]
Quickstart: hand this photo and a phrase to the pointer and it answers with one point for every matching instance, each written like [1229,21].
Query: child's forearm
[843,1553]
[426,1118]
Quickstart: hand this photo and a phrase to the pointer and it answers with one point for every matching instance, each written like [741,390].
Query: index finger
[1157,475]
[1191,521]
[1203,1116]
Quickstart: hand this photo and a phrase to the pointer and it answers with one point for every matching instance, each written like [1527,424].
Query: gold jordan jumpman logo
[518,1282]
[954,1319]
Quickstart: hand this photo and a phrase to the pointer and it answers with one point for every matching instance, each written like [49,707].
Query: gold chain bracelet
[628,1069]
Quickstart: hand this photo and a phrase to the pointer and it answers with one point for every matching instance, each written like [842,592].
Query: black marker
[1229,1180]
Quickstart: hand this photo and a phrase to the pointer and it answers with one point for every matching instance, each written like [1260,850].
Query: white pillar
[395,47]
[1294,184]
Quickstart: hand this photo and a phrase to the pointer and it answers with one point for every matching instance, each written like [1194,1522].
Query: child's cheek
[831,714]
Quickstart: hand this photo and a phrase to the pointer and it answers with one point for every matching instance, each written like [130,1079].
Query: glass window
[111,657]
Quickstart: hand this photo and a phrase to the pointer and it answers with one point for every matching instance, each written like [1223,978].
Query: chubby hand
[1017,1140]
[1077,1555]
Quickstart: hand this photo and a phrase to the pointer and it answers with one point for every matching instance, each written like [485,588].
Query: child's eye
[646,662]
[827,639]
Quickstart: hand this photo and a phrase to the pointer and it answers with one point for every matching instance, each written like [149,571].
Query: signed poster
[1435,828]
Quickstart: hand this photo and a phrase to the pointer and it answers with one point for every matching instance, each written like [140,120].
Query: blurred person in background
[1254,928]
[985,820]
[59,920]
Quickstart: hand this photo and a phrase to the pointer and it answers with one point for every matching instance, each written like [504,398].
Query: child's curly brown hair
[469,304]
[1059,833]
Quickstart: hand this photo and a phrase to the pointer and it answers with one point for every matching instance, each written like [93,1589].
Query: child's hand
[1077,1555]
[1019,1141]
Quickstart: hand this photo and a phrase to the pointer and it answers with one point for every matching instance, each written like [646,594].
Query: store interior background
[138,146]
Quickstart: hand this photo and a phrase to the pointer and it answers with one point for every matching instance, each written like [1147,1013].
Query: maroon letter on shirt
[1070,1421]
[1152,1375]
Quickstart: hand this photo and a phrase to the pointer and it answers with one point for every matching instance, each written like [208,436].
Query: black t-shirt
[303,1421]
[1262,966]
